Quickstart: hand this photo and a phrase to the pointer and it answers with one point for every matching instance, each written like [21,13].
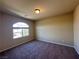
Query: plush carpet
[40,50]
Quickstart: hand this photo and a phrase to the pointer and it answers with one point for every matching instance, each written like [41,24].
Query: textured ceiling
[25,8]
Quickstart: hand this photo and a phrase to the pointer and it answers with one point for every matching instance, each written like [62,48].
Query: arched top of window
[20,24]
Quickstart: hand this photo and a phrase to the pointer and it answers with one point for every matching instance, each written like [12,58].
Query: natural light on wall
[20,29]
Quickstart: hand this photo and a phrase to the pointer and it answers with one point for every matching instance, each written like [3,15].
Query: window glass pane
[20,24]
[20,29]
[17,33]
[25,32]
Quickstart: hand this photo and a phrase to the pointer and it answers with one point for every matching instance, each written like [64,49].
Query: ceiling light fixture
[37,11]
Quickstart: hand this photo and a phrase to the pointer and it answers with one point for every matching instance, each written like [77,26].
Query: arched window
[20,29]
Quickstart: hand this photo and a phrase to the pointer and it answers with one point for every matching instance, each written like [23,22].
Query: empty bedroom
[39,29]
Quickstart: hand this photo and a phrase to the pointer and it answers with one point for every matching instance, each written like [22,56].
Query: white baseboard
[64,44]
[59,43]
[13,46]
[76,50]
[40,40]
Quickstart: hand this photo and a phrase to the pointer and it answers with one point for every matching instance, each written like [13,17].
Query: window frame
[22,30]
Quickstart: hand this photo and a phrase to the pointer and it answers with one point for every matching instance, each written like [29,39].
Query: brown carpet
[40,50]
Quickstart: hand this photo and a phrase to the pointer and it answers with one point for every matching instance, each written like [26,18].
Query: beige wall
[57,29]
[76,29]
[0,31]
[6,37]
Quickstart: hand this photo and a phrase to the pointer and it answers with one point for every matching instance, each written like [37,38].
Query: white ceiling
[25,8]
